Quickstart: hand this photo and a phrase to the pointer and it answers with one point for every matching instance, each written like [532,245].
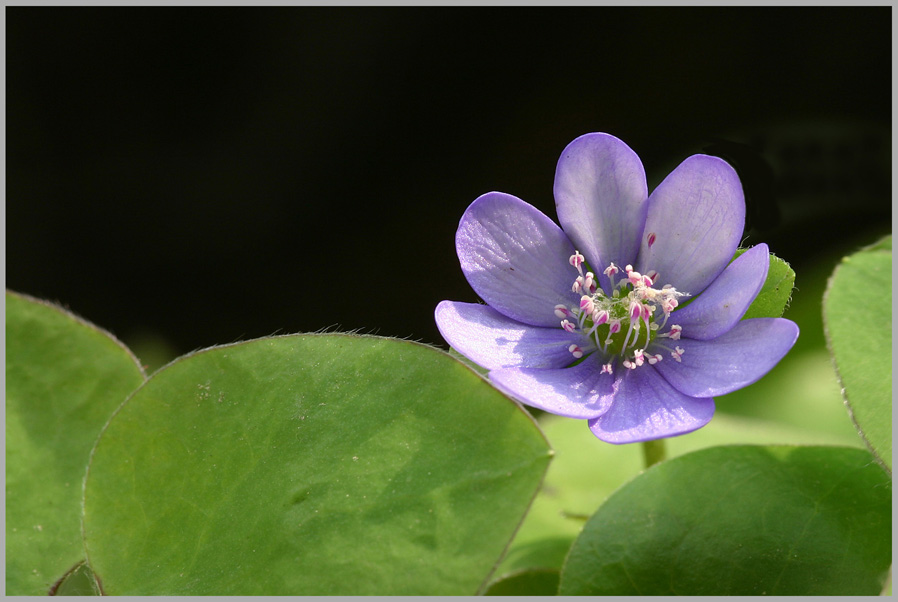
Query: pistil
[633,303]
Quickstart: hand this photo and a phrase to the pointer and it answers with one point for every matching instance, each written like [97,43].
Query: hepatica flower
[629,315]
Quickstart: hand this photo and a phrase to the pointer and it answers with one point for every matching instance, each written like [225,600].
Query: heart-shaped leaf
[310,465]
[741,520]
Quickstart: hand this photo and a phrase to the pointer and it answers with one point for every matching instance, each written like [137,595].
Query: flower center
[623,323]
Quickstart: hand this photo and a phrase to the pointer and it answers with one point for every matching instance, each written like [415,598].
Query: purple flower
[584,322]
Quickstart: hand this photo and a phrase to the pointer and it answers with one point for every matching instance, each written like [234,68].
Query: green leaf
[771,302]
[741,520]
[530,582]
[585,471]
[857,315]
[64,379]
[310,465]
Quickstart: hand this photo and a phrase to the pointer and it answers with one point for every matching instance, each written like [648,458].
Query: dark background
[193,176]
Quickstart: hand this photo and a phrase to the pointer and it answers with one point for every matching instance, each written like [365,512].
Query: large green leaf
[310,464]
[857,313]
[64,379]
[585,471]
[741,520]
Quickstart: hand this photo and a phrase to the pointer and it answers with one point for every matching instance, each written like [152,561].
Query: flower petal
[695,221]
[516,258]
[493,341]
[578,392]
[731,361]
[647,407]
[601,198]
[726,299]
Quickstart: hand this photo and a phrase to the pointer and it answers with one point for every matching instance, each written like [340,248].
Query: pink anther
[575,351]
[589,282]
[635,310]
[654,359]
[677,354]
[576,259]
[639,357]
[674,333]
[568,325]
[651,239]
[669,305]
[587,304]
[611,270]
[646,312]
[562,312]
[606,369]
[600,316]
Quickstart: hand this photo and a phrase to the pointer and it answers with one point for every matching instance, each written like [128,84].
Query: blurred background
[185,176]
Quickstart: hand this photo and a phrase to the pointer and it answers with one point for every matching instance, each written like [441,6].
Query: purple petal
[647,407]
[577,392]
[601,196]
[493,341]
[731,361]
[726,299]
[516,258]
[694,224]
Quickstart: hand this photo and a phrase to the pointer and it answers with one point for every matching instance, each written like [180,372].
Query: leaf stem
[653,452]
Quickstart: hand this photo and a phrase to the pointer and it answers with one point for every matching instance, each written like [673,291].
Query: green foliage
[340,464]
[741,520]
[309,465]
[857,313]
[586,471]
[64,378]
[776,292]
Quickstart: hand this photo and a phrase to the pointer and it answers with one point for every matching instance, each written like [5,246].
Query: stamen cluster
[623,323]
